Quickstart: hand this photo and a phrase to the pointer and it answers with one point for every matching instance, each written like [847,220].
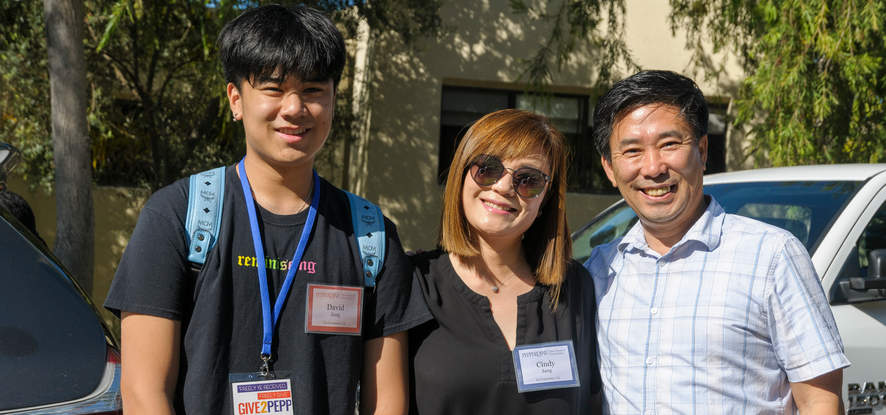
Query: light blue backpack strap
[369,229]
[206,193]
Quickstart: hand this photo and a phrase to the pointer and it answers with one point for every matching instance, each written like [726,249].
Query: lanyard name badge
[545,366]
[267,391]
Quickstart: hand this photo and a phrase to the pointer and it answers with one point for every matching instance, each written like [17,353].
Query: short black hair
[272,42]
[649,87]
[19,208]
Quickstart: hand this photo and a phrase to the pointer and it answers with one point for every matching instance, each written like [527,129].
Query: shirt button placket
[654,337]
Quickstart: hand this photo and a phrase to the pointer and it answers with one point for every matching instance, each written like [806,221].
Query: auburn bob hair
[509,134]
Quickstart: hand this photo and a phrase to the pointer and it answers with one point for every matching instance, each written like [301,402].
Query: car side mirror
[860,289]
[874,280]
[9,156]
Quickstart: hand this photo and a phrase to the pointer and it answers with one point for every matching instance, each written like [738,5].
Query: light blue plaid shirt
[720,324]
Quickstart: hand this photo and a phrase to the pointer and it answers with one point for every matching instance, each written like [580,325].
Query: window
[872,238]
[460,108]
[857,269]
[569,113]
[717,123]
[795,218]
[806,209]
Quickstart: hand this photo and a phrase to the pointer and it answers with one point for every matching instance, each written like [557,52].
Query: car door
[56,356]
[860,314]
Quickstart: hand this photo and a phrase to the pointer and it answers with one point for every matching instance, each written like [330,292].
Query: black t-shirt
[220,308]
[461,362]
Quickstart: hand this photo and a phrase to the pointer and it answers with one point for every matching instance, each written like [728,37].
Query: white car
[839,213]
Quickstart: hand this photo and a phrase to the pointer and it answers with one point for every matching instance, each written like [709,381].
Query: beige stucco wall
[482,49]
[648,35]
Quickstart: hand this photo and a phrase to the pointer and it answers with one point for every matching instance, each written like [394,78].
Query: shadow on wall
[481,45]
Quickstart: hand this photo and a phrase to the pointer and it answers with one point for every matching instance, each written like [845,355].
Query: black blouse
[461,363]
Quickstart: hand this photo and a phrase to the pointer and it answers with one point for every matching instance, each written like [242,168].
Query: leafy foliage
[157,105]
[816,74]
[159,108]
[24,88]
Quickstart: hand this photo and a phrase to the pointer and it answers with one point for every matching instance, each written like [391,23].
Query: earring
[234,116]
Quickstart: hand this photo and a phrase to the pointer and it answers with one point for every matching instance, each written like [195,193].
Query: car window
[795,218]
[873,237]
[52,344]
[806,209]
[611,224]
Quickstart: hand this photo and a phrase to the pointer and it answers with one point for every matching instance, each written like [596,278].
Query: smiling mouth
[496,206]
[659,191]
[293,131]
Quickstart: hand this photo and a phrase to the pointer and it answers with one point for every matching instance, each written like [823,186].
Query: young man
[236,337]
[699,311]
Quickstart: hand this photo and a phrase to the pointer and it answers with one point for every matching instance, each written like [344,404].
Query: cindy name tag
[263,397]
[545,366]
[334,309]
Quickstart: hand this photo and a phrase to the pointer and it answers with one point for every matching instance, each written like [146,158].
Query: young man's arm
[821,395]
[150,358]
[384,388]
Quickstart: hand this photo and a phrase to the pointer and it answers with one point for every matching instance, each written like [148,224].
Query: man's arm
[384,388]
[150,358]
[821,395]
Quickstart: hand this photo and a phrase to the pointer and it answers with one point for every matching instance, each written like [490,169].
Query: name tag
[334,309]
[545,366]
[263,397]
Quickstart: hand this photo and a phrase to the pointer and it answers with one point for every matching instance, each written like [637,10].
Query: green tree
[157,109]
[816,74]
[24,88]
[74,240]
[158,99]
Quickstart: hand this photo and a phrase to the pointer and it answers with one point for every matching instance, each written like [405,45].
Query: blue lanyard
[269,322]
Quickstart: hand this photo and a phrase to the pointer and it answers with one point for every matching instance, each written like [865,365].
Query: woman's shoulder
[425,262]
[577,280]
[575,270]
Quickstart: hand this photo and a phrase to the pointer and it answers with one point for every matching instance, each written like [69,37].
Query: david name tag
[334,309]
[263,397]
[545,366]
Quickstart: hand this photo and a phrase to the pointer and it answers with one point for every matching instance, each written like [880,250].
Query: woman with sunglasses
[513,316]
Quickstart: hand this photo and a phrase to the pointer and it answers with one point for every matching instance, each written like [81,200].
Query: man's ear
[234,101]
[607,167]
[703,149]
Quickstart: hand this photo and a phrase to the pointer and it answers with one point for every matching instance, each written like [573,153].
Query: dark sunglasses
[528,182]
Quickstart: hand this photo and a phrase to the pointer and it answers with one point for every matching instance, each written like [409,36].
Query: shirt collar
[706,230]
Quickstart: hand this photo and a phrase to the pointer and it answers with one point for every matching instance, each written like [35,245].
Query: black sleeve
[154,273]
[581,278]
[398,302]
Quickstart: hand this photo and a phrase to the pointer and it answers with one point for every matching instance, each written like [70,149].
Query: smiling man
[207,342]
[699,311]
